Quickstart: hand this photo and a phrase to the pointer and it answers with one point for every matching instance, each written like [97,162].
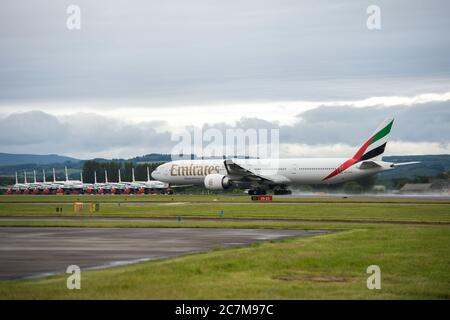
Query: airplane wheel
[256,192]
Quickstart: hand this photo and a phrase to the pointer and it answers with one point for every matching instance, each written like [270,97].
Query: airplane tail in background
[17,179]
[95,177]
[54,175]
[132,173]
[43,176]
[25,177]
[374,147]
[67,175]
[120,177]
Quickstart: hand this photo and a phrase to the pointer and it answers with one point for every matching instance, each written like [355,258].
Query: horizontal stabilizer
[405,163]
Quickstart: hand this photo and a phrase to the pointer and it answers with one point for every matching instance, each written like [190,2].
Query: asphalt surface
[221,219]
[35,252]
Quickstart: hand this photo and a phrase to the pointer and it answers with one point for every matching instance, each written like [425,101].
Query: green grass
[317,212]
[205,198]
[414,262]
[414,259]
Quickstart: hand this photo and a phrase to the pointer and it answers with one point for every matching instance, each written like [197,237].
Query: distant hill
[153,157]
[429,166]
[9,159]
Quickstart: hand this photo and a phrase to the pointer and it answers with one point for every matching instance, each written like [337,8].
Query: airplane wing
[181,185]
[237,172]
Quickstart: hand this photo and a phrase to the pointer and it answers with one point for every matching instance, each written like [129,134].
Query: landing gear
[257,192]
[281,191]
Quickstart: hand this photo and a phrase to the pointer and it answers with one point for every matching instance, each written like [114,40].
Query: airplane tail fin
[106,176]
[95,177]
[43,176]
[374,147]
[17,179]
[34,176]
[132,173]
[54,175]
[67,175]
[81,176]
[148,174]
[120,177]
[25,177]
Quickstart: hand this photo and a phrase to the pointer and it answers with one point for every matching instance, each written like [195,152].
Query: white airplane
[46,187]
[43,186]
[20,187]
[143,186]
[120,186]
[67,185]
[262,175]
[151,185]
[35,186]
[96,186]
[30,187]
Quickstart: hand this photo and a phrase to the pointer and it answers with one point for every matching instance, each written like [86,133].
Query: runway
[189,219]
[36,252]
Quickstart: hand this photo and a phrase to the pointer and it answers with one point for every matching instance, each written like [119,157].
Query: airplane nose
[155,174]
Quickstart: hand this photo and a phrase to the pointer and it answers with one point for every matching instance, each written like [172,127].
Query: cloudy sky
[137,71]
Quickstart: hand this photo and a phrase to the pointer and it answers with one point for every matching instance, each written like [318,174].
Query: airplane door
[293,170]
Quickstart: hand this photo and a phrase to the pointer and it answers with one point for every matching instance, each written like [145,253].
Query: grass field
[316,212]
[414,259]
[207,199]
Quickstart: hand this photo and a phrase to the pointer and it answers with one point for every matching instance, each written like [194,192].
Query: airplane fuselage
[283,171]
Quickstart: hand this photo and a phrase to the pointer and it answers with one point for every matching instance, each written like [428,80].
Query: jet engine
[217,181]
[128,190]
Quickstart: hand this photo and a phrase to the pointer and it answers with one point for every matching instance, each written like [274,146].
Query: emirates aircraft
[263,175]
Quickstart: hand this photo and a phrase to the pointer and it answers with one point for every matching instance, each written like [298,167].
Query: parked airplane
[139,186]
[120,186]
[67,186]
[35,186]
[262,175]
[46,187]
[149,185]
[125,187]
[96,187]
[19,187]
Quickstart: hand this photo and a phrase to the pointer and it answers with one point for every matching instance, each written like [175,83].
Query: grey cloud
[428,122]
[30,128]
[82,135]
[87,135]
[201,51]
[418,123]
